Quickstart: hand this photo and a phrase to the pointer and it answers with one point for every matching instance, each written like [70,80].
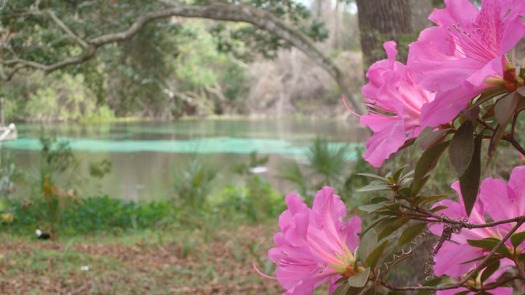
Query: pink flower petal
[313,244]
[451,259]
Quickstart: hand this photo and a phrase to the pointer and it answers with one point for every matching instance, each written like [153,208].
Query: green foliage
[137,81]
[210,81]
[255,200]
[327,164]
[96,214]
[245,41]
[100,169]
[56,161]
[55,97]
[192,185]
[169,69]
[195,53]
[55,186]
[328,160]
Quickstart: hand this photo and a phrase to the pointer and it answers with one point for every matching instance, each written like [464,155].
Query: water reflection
[145,154]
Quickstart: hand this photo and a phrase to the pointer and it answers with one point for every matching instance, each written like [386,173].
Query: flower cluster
[449,69]
[314,245]
[449,65]
[500,201]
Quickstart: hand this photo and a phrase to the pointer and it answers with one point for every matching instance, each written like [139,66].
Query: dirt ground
[140,263]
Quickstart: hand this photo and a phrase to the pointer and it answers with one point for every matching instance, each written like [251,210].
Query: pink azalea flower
[314,245]
[465,54]
[499,200]
[395,102]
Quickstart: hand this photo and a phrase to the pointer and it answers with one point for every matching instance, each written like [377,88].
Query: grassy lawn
[174,261]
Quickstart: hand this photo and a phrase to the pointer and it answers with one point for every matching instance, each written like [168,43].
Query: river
[145,155]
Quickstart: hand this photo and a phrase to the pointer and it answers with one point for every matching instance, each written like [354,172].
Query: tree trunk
[421,9]
[337,30]
[380,21]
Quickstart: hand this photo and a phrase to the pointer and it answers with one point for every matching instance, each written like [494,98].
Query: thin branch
[222,12]
[445,219]
[67,30]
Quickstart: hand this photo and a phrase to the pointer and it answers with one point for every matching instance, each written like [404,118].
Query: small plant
[193,185]
[54,184]
[256,199]
[327,164]
[93,214]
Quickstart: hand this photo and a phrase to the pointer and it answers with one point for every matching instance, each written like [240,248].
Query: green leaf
[375,223]
[485,244]
[498,134]
[416,190]
[341,290]
[392,227]
[472,260]
[488,244]
[438,208]
[411,233]
[503,111]
[347,290]
[398,173]
[373,176]
[505,107]
[429,137]
[375,255]
[366,244]
[378,200]
[422,200]
[389,210]
[517,239]
[462,147]
[471,114]
[374,187]
[469,182]
[371,208]
[492,267]
[488,95]
[359,280]
[426,163]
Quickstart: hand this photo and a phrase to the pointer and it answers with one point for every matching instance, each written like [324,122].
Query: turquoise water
[211,145]
[145,155]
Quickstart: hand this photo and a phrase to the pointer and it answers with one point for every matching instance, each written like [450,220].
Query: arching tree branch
[215,11]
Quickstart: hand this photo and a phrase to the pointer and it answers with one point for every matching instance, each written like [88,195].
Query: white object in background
[258,170]
[8,130]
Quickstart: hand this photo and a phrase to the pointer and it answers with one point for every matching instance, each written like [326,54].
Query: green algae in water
[208,145]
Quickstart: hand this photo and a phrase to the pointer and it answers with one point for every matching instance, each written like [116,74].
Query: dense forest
[178,66]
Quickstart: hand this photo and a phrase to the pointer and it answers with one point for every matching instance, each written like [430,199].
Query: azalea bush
[460,94]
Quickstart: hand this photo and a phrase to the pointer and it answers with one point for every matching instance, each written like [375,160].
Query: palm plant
[327,164]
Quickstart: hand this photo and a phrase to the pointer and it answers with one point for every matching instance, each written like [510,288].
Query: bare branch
[66,29]
[463,224]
